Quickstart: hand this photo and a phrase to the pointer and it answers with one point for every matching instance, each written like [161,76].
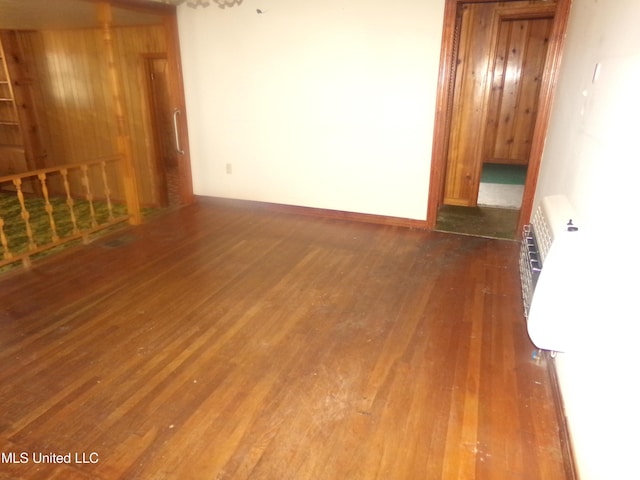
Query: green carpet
[504,174]
[15,229]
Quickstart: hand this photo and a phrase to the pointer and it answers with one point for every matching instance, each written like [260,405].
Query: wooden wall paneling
[498,81]
[79,63]
[516,33]
[8,136]
[133,43]
[532,69]
[12,161]
[71,60]
[33,42]
[12,151]
[22,79]
[520,57]
[59,115]
[77,110]
[61,118]
[68,64]
[469,102]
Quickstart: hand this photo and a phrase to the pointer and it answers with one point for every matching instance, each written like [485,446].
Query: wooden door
[164,135]
[501,53]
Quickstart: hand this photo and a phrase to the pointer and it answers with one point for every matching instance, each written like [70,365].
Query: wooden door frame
[178,103]
[161,174]
[444,100]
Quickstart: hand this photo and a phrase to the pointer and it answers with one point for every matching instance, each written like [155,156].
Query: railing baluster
[89,194]
[42,212]
[48,207]
[6,253]
[24,213]
[107,191]
[65,178]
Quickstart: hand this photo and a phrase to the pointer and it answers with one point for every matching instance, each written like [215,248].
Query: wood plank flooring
[224,342]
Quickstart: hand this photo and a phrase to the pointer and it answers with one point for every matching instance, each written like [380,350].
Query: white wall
[324,104]
[592,156]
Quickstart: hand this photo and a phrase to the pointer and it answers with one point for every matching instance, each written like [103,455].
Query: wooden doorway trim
[445,97]
[158,108]
[176,95]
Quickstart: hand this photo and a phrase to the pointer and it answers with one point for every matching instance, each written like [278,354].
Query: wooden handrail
[68,166]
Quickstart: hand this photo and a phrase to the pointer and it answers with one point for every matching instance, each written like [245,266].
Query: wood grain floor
[221,342]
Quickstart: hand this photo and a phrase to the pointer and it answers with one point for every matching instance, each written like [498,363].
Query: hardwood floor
[221,342]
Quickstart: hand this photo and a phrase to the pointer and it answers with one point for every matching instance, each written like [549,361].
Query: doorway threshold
[488,222]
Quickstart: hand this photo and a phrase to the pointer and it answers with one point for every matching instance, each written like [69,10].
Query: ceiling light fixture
[204,3]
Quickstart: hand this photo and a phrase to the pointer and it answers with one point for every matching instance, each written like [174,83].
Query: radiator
[549,258]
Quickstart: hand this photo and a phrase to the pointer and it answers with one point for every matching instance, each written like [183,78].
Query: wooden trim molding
[563,428]
[316,212]
[176,93]
[143,6]
[444,98]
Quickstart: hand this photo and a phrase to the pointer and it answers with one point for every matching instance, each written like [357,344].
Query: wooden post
[124,137]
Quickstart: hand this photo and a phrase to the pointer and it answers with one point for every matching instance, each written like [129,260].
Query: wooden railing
[47,208]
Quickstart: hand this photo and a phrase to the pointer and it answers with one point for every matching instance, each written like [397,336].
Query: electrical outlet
[229,169]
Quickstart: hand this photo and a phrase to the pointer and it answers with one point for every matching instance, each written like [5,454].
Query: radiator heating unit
[550,270]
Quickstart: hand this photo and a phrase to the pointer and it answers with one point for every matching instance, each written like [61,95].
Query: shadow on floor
[479,221]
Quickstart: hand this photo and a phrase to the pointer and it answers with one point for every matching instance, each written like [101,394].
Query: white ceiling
[52,14]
